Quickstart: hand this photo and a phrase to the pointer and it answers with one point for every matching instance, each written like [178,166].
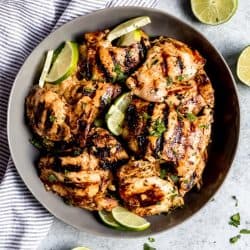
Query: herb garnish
[234,239]
[235,220]
[174,178]
[150,239]
[191,117]
[146,246]
[169,80]
[76,152]
[52,178]
[245,231]
[88,90]
[120,76]
[158,128]
[163,173]
[52,118]
[236,200]
[205,126]
[36,143]
[145,116]
[180,78]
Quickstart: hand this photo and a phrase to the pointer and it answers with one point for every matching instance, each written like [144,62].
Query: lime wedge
[123,101]
[114,120]
[243,66]
[214,12]
[129,220]
[130,38]
[127,27]
[80,248]
[109,220]
[46,68]
[65,63]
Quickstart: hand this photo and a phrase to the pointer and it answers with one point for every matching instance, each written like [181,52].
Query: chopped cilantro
[234,239]
[145,116]
[52,178]
[174,178]
[191,117]
[163,173]
[150,239]
[146,246]
[180,78]
[245,231]
[66,171]
[158,128]
[76,152]
[235,220]
[236,200]
[52,118]
[120,76]
[88,90]
[205,126]
[169,80]
[36,143]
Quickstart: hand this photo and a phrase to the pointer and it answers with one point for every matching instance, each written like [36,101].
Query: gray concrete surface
[208,229]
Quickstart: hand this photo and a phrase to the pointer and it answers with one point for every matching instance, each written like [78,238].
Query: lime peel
[243,66]
[127,27]
[46,68]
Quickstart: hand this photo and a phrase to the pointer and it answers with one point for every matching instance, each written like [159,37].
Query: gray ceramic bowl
[225,129]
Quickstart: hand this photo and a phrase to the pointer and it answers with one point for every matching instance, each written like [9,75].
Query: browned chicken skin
[79,180]
[102,61]
[144,192]
[168,61]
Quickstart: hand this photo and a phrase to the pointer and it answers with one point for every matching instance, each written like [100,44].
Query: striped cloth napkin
[24,23]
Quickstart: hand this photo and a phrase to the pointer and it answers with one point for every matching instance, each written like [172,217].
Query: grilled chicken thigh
[79,180]
[106,148]
[48,114]
[168,61]
[144,192]
[102,61]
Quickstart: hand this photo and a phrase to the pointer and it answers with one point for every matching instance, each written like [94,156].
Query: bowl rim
[127,8]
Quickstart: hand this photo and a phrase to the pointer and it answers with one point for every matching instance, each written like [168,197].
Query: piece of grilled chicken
[78,180]
[168,61]
[102,61]
[65,115]
[88,99]
[106,148]
[177,131]
[144,192]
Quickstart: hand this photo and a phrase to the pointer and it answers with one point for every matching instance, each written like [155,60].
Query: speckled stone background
[209,228]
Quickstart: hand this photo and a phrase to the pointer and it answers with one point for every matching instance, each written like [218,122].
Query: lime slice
[123,101]
[214,12]
[129,220]
[127,27]
[243,66]
[65,63]
[130,38]
[114,120]
[80,248]
[46,68]
[108,219]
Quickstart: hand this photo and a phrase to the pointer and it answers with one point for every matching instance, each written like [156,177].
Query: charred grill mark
[180,63]
[102,68]
[159,146]
[85,91]
[102,152]
[129,61]
[112,164]
[71,168]
[132,117]
[142,50]
[48,122]
[38,112]
[142,139]
[164,64]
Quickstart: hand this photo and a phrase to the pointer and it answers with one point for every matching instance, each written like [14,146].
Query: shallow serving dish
[224,135]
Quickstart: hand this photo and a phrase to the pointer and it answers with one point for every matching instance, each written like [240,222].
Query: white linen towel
[23,24]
